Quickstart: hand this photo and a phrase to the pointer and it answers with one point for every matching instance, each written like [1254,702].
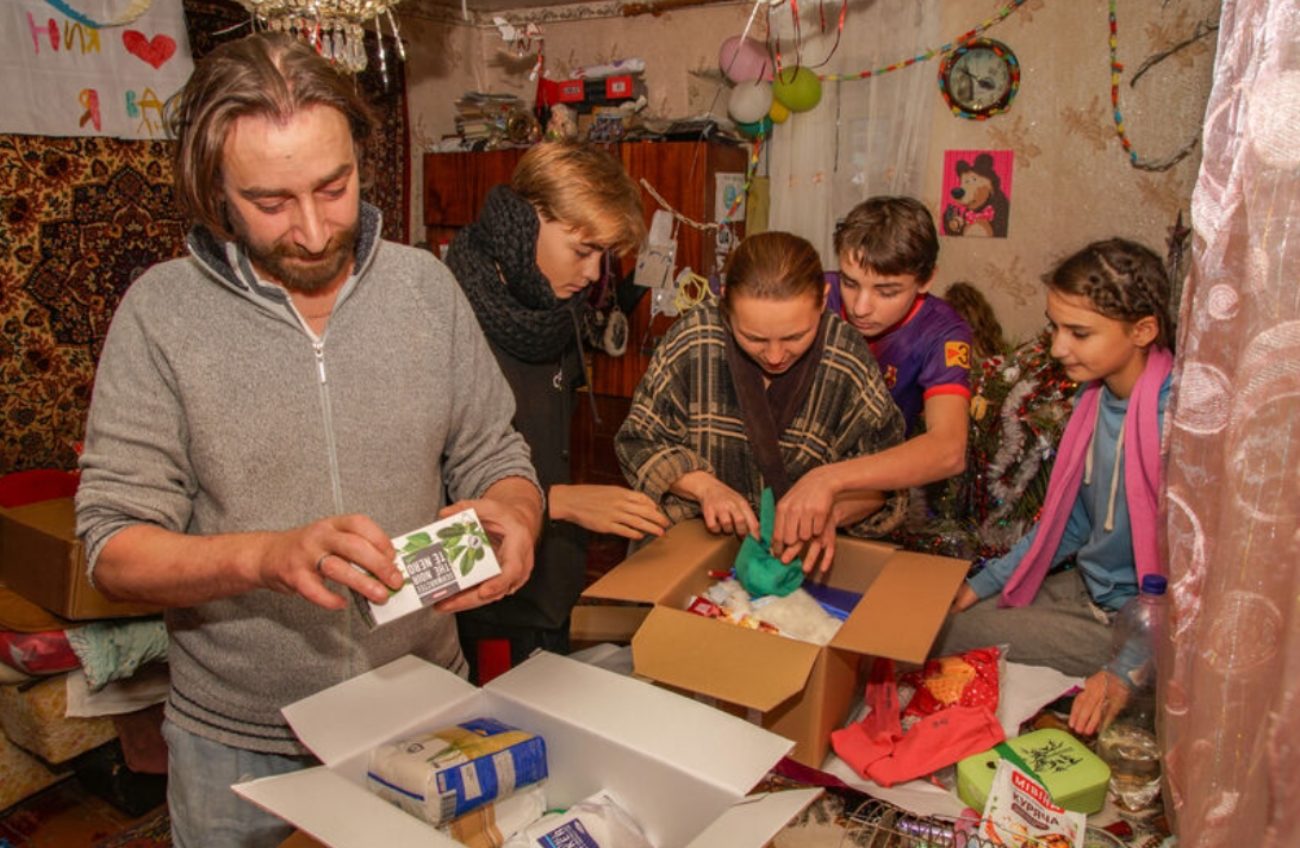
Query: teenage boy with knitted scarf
[525,266]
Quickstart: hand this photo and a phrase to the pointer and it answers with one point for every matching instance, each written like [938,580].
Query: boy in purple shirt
[887,248]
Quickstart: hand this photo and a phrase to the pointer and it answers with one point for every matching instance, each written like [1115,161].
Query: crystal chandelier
[334,27]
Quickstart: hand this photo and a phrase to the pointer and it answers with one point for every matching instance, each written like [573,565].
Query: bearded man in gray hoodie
[268,412]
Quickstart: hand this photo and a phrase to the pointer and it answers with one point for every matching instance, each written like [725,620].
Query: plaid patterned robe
[685,417]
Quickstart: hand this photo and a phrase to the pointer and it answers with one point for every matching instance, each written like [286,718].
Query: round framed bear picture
[979,79]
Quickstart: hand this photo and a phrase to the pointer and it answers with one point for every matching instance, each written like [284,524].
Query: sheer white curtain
[1230,674]
[865,137]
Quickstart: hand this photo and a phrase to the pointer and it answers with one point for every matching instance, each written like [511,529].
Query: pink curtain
[1230,671]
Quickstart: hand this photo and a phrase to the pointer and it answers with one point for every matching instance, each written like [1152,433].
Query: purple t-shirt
[927,353]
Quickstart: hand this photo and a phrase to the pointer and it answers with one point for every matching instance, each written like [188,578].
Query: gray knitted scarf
[495,261]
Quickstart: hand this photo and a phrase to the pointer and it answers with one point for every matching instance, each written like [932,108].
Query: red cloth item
[963,680]
[877,749]
[493,659]
[140,735]
[47,652]
[39,484]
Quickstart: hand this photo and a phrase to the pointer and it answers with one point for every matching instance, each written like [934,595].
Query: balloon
[750,101]
[757,129]
[797,89]
[778,113]
[744,60]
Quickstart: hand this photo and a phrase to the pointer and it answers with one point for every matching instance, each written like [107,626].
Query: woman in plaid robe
[753,392]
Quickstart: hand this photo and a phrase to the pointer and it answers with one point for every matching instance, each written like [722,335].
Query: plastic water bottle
[1129,744]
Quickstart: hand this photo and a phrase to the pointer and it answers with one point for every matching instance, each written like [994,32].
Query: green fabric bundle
[757,569]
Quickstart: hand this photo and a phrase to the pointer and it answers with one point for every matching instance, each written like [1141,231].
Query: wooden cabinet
[683,173]
[455,185]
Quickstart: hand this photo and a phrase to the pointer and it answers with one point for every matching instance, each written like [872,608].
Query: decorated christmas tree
[1020,402]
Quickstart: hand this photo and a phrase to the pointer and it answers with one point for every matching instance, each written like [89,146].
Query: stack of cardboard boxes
[43,580]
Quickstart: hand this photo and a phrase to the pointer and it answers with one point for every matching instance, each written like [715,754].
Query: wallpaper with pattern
[1073,179]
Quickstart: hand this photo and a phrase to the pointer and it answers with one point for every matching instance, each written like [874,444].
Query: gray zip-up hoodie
[216,410]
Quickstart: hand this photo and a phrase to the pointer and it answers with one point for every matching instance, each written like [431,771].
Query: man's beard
[298,270]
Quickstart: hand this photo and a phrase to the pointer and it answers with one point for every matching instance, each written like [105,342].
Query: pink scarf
[1142,480]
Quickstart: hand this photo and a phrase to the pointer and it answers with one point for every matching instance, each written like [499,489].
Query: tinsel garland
[1021,401]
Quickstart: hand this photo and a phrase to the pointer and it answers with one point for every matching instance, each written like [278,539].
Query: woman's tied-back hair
[773,266]
[268,75]
[1122,279]
[586,188]
[890,235]
[972,306]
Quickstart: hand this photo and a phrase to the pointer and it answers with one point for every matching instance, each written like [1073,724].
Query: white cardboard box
[680,768]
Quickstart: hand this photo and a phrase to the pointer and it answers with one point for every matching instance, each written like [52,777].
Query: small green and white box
[437,561]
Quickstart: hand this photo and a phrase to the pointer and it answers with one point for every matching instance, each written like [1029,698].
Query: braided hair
[1122,279]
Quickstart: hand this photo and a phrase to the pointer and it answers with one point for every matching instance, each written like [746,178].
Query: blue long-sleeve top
[1104,557]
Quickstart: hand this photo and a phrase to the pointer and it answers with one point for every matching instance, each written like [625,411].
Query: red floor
[67,816]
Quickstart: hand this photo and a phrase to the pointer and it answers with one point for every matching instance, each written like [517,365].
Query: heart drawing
[155,51]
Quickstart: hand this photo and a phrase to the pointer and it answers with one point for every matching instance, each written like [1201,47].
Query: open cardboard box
[41,559]
[680,768]
[797,689]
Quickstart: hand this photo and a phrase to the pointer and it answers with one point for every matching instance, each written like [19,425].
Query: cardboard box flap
[664,726]
[55,517]
[605,622]
[904,609]
[330,808]
[42,560]
[656,571]
[698,654]
[755,820]
[392,698]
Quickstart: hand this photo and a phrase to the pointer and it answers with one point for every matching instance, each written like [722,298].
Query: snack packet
[595,822]
[1020,812]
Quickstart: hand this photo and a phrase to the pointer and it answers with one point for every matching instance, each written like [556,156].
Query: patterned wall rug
[81,218]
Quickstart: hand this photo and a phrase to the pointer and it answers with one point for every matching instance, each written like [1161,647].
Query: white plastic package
[595,822]
[491,825]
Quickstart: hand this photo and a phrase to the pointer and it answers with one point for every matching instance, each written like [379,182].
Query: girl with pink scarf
[1108,306]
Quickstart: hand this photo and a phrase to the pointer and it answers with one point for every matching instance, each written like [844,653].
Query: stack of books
[481,116]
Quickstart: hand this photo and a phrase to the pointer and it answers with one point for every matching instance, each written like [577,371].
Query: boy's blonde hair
[583,187]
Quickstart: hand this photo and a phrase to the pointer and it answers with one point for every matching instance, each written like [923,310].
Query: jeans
[205,812]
